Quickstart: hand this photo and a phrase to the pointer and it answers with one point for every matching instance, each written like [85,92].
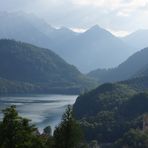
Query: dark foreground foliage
[133,139]
[68,133]
[18,132]
[109,112]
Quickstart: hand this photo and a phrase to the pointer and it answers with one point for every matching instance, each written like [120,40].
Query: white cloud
[97,3]
[123,7]
[79,30]
[88,2]
[132,6]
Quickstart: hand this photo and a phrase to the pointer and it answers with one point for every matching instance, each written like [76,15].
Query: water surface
[43,110]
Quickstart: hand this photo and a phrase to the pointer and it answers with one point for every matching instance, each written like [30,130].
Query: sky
[118,16]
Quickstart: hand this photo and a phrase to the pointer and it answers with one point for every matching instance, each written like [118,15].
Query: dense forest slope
[111,110]
[24,65]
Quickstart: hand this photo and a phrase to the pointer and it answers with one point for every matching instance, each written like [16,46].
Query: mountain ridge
[126,70]
[42,68]
[84,50]
[137,39]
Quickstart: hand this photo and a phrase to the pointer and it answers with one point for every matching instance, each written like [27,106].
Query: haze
[118,16]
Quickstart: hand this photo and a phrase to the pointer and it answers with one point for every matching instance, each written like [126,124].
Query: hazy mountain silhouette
[135,66]
[26,28]
[87,50]
[90,50]
[137,40]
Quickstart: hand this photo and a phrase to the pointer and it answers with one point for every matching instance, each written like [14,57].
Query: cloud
[79,30]
[123,7]
[124,15]
[130,7]
[88,2]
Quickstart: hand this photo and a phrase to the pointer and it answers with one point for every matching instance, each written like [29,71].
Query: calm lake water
[43,110]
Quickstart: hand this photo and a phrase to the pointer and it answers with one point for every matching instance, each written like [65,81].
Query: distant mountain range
[89,50]
[135,66]
[94,48]
[25,68]
[137,40]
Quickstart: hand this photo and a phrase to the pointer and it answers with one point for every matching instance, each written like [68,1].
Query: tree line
[19,132]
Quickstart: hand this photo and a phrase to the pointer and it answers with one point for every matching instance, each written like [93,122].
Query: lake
[43,110]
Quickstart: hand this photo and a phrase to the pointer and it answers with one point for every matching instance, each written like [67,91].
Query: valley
[72,84]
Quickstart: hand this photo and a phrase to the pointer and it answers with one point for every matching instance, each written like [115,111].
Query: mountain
[31,29]
[111,110]
[137,40]
[90,50]
[62,34]
[86,51]
[25,28]
[91,103]
[39,68]
[136,65]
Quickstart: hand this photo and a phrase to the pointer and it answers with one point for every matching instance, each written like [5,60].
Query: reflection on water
[43,110]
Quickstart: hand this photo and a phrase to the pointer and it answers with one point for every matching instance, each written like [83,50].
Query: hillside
[41,68]
[101,98]
[111,110]
[134,66]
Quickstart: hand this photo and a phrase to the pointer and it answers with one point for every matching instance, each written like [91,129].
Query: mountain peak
[65,30]
[95,29]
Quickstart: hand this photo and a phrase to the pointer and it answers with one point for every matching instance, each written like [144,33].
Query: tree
[134,138]
[68,133]
[17,132]
[47,137]
[47,131]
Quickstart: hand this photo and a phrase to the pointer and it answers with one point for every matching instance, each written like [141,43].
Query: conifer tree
[68,133]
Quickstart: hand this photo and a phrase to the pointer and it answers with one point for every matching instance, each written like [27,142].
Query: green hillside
[25,66]
[111,110]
